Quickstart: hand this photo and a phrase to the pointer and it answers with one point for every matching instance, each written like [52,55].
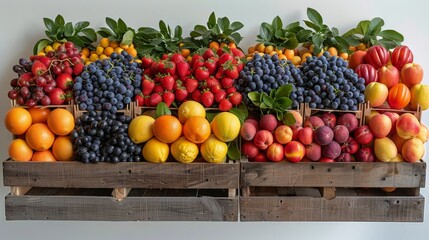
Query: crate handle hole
[353,167]
[312,167]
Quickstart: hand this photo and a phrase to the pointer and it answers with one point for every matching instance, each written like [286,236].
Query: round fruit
[213,150]
[184,151]
[399,96]
[167,128]
[17,120]
[155,151]
[20,151]
[61,122]
[419,93]
[43,156]
[63,149]
[189,109]
[39,115]
[140,129]
[225,126]
[197,129]
[39,137]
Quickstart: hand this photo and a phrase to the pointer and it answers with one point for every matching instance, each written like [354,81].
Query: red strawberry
[168,98]
[198,63]
[235,98]
[78,68]
[68,70]
[64,81]
[237,52]
[147,101]
[147,71]
[208,54]
[38,68]
[219,73]
[220,95]
[177,57]
[196,95]
[57,96]
[164,56]
[211,65]
[154,99]
[191,85]
[213,84]
[195,58]
[201,73]
[167,82]
[231,90]
[139,99]
[170,68]
[181,93]
[147,85]
[154,68]
[146,62]
[207,99]
[226,82]
[46,61]
[215,88]
[240,66]
[158,89]
[232,71]
[226,57]
[182,69]
[225,105]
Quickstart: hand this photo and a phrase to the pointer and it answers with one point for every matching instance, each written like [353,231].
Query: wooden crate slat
[130,175]
[357,174]
[129,209]
[342,208]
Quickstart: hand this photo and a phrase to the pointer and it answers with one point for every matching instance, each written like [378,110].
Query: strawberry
[231,90]
[226,57]
[146,62]
[170,68]
[225,105]
[158,89]
[181,93]
[240,66]
[196,95]
[219,73]
[208,54]
[154,68]
[226,82]
[215,88]
[237,52]
[147,85]
[69,95]
[232,71]
[147,101]
[191,85]
[68,70]
[219,96]
[195,58]
[154,99]
[164,56]
[167,82]
[57,96]
[38,68]
[177,57]
[182,69]
[78,68]
[207,99]
[64,81]
[168,98]
[211,65]
[235,98]
[147,71]
[201,73]
[139,99]
[213,84]
[198,63]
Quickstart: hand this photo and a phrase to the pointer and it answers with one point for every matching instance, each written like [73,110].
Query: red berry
[225,105]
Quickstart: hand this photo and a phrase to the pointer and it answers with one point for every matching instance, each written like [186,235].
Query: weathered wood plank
[342,208]
[129,209]
[129,175]
[314,174]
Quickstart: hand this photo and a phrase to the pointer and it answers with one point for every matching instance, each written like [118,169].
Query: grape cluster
[103,137]
[327,83]
[264,73]
[108,84]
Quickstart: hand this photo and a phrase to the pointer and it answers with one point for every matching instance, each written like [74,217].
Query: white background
[21,26]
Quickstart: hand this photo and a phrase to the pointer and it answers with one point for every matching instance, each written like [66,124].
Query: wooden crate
[314,191]
[360,113]
[385,108]
[124,191]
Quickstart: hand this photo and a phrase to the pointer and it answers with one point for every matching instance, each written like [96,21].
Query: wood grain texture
[314,174]
[130,175]
[342,208]
[104,208]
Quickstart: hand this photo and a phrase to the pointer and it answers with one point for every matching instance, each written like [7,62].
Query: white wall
[21,25]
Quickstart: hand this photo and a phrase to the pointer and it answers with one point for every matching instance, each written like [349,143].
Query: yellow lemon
[213,150]
[155,151]
[225,126]
[184,151]
[190,109]
[140,129]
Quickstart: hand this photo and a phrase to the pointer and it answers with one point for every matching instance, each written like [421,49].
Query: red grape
[14,82]
[62,56]
[20,100]
[56,70]
[49,78]
[68,45]
[48,88]
[31,103]
[41,81]
[12,94]
[66,63]
[61,48]
[23,82]
[45,100]
[25,92]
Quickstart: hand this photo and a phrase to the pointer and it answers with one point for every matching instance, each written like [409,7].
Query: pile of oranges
[40,134]
[104,49]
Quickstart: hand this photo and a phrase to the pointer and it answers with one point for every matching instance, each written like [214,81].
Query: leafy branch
[118,31]
[274,34]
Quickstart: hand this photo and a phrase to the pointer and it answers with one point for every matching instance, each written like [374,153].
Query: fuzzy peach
[407,126]
[413,150]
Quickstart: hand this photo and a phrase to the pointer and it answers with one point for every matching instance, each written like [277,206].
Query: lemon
[189,109]
[155,151]
[184,151]
[226,126]
[213,150]
[140,129]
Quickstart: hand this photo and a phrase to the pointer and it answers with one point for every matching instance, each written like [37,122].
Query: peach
[249,149]
[295,131]
[407,126]
[314,122]
[380,125]
[399,142]
[254,122]
[419,96]
[388,75]
[305,135]
[365,154]
[329,119]
[356,58]
[385,149]
[298,118]
[372,114]
[275,152]
[398,158]
[283,134]
[268,122]
[259,158]
[376,93]
[413,150]
[313,151]
[393,117]
[263,139]
[323,135]
[341,133]
[247,131]
[424,133]
[349,120]
[294,151]
[411,74]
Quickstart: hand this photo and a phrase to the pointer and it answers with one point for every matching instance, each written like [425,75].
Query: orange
[63,149]
[20,151]
[197,129]
[43,156]
[214,45]
[108,51]
[251,49]
[85,52]
[39,137]
[17,120]
[104,42]
[282,57]
[185,52]
[305,56]
[61,122]
[132,52]
[232,45]
[39,115]
[344,55]
[289,53]
[114,44]
[333,51]
[167,128]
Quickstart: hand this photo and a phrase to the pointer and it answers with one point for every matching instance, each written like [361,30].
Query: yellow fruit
[190,109]
[55,45]
[419,96]
[85,52]
[184,151]
[114,44]
[104,42]
[93,57]
[140,129]
[118,50]
[108,51]
[155,151]
[296,60]
[213,150]
[103,56]
[225,126]
[385,149]
[20,151]
[48,49]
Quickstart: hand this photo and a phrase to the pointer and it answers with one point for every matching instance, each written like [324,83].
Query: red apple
[377,56]
[325,159]
[329,119]
[388,75]
[367,72]
[363,135]
[400,56]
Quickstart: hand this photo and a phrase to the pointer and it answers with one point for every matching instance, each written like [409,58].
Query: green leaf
[388,44]
[269,101]
[236,37]
[277,23]
[122,26]
[273,93]
[263,106]
[49,24]
[279,115]
[163,28]
[284,91]
[210,115]
[254,97]
[76,40]
[291,26]
[342,43]
[375,26]
[178,32]
[41,44]
[162,109]
[312,25]
[289,119]
[240,113]
[283,103]
[291,43]
[233,150]
[90,33]
[363,27]
[127,39]
[303,35]
[315,17]
[223,23]
[112,24]
[235,26]
[59,20]
[212,20]
[265,32]
[335,31]
[392,35]
[317,39]
[81,25]
[104,32]
[68,29]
